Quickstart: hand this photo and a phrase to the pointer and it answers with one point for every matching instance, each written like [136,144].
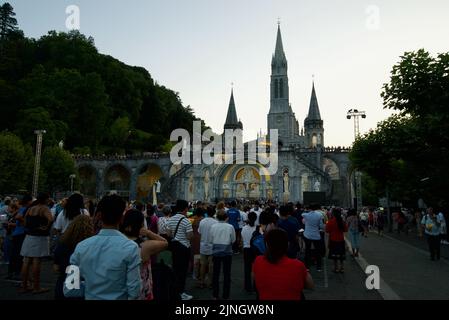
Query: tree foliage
[92,101]
[411,146]
[16,163]
[8,24]
[57,166]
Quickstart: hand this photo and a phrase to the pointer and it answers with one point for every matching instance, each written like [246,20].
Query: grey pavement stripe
[385,290]
[424,252]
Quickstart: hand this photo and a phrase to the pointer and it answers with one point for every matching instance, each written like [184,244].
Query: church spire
[313,125]
[281,116]
[231,118]
[279,58]
[279,50]
[314,110]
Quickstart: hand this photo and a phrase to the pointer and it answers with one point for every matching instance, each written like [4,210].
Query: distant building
[305,164]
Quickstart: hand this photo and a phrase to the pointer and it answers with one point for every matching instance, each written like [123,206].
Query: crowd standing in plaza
[142,251]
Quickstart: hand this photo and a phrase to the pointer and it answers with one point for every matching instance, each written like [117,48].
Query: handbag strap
[177,226]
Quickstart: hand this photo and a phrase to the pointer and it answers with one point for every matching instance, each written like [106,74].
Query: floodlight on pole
[356,114]
[72,176]
[37,160]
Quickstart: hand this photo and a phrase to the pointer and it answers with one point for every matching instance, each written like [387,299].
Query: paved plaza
[405,269]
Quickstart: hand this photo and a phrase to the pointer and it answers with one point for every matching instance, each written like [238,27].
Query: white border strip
[385,290]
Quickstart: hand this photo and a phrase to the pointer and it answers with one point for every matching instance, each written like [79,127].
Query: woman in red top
[276,276]
[336,228]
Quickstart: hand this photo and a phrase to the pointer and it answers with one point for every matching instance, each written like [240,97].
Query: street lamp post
[356,114]
[37,160]
[72,176]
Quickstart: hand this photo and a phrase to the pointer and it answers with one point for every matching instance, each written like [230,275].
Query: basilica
[307,169]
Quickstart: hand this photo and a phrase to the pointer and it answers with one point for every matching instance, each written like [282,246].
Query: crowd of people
[136,250]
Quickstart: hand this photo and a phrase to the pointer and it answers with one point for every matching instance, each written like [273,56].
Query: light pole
[37,160]
[356,114]
[72,176]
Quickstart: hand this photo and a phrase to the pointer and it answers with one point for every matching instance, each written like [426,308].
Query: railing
[104,157]
[337,149]
[314,169]
[166,188]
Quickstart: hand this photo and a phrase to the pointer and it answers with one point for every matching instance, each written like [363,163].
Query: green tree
[57,166]
[83,94]
[120,131]
[411,146]
[8,23]
[39,118]
[16,164]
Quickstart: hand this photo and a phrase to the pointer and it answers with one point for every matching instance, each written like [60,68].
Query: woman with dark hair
[267,221]
[18,235]
[80,229]
[336,228]
[278,277]
[73,208]
[133,227]
[36,245]
[354,231]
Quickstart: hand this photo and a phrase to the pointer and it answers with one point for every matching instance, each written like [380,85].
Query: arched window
[314,140]
[276,86]
[281,88]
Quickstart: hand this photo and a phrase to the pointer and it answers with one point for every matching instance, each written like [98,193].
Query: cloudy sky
[199,47]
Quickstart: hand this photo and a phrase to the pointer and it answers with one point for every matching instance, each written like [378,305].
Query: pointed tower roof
[279,54]
[314,110]
[279,51]
[232,121]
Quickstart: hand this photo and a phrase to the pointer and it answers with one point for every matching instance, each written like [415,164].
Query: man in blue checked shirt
[109,263]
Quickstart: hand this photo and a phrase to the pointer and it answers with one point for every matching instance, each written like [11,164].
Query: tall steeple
[313,125]
[279,55]
[281,116]
[232,121]
[314,110]
[279,79]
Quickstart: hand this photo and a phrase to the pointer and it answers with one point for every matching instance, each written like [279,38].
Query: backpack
[257,243]
[164,283]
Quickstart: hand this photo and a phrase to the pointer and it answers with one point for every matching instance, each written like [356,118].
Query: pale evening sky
[198,47]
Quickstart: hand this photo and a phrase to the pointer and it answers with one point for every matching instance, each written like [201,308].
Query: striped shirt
[184,228]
